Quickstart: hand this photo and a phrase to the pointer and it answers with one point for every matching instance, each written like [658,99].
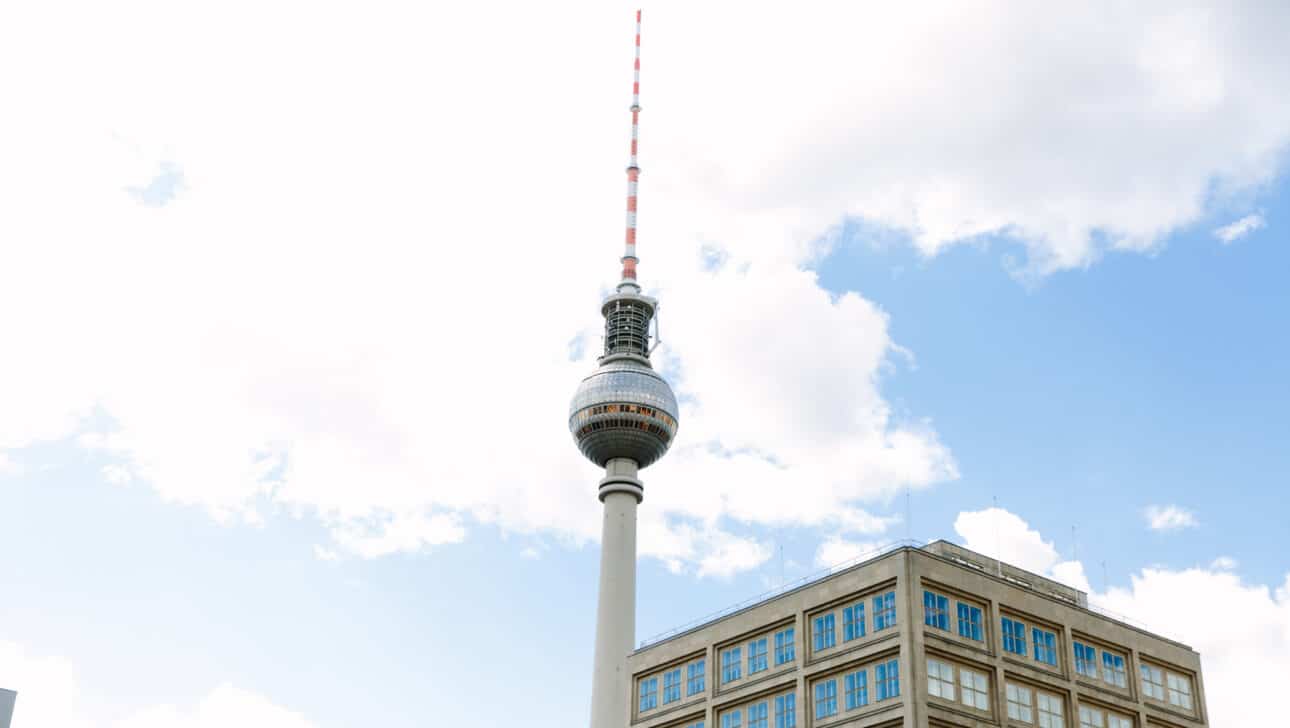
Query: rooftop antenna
[633,173]
[994,515]
[909,515]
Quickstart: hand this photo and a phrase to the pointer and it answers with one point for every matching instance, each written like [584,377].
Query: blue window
[649,694]
[733,719]
[857,684]
[936,611]
[1085,660]
[853,622]
[785,648]
[1045,645]
[757,715]
[694,682]
[786,711]
[886,678]
[757,655]
[969,622]
[824,636]
[826,699]
[671,686]
[884,611]
[730,667]
[1113,670]
[696,724]
[1014,636]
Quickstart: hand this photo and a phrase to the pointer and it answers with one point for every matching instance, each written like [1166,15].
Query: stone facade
[1124,676]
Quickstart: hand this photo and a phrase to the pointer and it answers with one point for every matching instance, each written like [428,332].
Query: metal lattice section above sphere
[624,409]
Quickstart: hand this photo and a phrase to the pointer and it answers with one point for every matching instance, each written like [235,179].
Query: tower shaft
[623,417]
[616,610]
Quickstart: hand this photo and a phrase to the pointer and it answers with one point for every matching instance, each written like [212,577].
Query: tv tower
[623,418]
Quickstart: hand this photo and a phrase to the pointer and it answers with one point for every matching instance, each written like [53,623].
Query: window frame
[696,677]
[731,664]
[785,646]
[1043,715]
[826,698]
[975,621]
[1090,660]
[758,656]
[1012,696]
[978,693]
[1144,671]
[786,710]
[1189,693]
[647,691]
[856,688]
[823,632]
[936,676]
[886,678]
[1048,644]
[936,610]
[884,611]
[853,623]
[1013,631]
[758,714]
[1115,670]
[675,686]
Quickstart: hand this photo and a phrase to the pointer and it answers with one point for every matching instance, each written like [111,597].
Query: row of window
[648,696]
[855,684]
[1014,640]
[936,613]
[639,409]
[823,628]
[1112,670]
[973,688]
[1034,707]
[1166,686]
[782,709]
[1098,718]
[732,663]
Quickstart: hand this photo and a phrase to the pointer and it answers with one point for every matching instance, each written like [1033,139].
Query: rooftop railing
[781,590]
[825,573]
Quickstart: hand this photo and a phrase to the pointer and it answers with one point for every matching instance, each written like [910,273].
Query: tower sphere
[624,409]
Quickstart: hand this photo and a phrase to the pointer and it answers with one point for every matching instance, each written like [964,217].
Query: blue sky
[287,357]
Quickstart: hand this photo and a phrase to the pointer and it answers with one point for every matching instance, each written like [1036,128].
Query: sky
[293,297]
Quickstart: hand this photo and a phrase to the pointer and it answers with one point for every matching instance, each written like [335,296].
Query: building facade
[7,700]
[931,637]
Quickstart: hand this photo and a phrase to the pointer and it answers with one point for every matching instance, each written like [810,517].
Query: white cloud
[1243,655]
[1232,232]
[349,313]
[1244,658]
[49,696]
[48,688]
[225,706]
[837,552]
[1224,563]
[1169,518]
[1003,535]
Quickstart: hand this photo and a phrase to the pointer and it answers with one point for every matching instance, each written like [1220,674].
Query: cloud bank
[290,279]
[1243,657]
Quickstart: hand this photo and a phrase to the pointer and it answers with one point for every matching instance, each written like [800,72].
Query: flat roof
[940,549]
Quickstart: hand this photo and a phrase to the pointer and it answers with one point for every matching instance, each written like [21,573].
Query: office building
[933,637]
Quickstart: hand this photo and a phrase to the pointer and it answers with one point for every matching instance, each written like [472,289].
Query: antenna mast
[633,172]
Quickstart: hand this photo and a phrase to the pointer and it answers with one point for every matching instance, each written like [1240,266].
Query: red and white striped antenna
[633,172]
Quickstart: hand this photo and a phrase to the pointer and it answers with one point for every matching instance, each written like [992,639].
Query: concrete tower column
[611,687]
